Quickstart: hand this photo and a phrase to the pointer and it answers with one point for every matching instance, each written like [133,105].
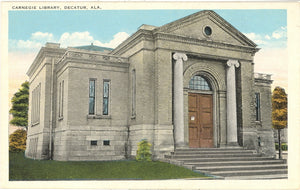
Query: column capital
[233,62]
[178,56]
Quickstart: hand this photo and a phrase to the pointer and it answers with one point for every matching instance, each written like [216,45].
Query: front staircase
[229,163]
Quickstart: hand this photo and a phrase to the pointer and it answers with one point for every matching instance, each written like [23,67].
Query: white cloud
[267,37]
[276,39]
[276,35]
[251,35]
[84,38]
[280,33]
[38,36]
[117,40]
[25,46]
[33,44]
[75,39]
[256,38]
[38,39]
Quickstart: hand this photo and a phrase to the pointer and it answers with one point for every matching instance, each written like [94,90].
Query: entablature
[203,42]
[85,56]
[44,53]
[262,78]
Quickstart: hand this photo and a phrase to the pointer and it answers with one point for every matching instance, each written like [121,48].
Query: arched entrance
[200,113]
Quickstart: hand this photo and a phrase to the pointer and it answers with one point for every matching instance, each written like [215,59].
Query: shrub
[143,153]
[17,141]
[284,146]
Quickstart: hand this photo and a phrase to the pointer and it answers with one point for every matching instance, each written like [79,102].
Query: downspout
[51,110]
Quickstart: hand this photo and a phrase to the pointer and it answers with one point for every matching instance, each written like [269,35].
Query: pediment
[199,24]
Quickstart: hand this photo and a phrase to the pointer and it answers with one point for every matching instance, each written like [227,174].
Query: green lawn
[21,168]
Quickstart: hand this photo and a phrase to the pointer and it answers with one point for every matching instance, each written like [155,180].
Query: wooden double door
[200,120]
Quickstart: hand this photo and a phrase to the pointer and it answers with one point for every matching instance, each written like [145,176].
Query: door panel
[194,142]
[200,121]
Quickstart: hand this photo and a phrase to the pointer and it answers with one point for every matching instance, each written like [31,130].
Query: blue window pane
[91,105]
[199,83]
[92,97]
[92,88]
[105,106]
[105,89]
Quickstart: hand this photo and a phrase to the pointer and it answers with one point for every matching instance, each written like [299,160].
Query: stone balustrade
[262,76]
[95,56]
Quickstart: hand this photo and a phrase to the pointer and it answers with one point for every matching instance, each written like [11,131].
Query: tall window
[105,97]
[92,97]
[257,106]
[35,105]
[199,83]
[133,77]
[61,99]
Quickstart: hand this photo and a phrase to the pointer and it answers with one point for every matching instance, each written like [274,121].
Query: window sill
[34,124]
[258,123]
[60,118]
[98,117]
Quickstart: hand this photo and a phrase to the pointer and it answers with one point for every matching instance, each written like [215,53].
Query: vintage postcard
[149,95]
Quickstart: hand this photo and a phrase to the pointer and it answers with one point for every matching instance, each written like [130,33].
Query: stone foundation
[107,143]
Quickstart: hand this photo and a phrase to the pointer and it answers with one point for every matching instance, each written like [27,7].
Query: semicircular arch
[214,78]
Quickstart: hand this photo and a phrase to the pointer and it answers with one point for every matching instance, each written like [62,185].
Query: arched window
[199,83]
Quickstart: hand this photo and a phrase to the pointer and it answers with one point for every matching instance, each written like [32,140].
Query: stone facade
[97,105]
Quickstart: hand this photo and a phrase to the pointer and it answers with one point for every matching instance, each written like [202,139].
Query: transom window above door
[199,83]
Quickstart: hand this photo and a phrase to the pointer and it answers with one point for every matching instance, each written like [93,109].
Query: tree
[143,152]
[19,108]
[279,112]
[17,141]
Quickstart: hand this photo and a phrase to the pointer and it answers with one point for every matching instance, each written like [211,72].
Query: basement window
[94,143]
[106,143]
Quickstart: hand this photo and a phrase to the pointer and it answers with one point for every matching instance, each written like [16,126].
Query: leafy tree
[279,112]
[19,108]
[17,141]
[143,152]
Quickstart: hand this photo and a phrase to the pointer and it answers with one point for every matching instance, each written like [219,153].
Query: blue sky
[30,30]
[104,24]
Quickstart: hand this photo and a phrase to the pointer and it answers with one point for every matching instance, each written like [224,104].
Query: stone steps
[258,177]
[175,156]
[215,152]
[233,163]
[229,163]
[207,159]
[240,167]
[248,172]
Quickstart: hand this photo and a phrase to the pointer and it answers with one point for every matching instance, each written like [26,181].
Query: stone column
[231,103]
[178,99]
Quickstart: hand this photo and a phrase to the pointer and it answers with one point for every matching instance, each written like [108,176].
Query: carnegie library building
[187,84]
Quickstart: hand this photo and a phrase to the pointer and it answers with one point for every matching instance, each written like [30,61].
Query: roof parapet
[92,55]
[52,45]
[262,76]
[147,27]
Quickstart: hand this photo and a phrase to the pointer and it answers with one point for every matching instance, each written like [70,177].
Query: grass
[21,168]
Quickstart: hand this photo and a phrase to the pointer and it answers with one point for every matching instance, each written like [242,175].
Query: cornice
[43,53]
[262,78]
[138,36]
[262,81]
[204,42]
[91,57]
[201,15]
[165,30]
